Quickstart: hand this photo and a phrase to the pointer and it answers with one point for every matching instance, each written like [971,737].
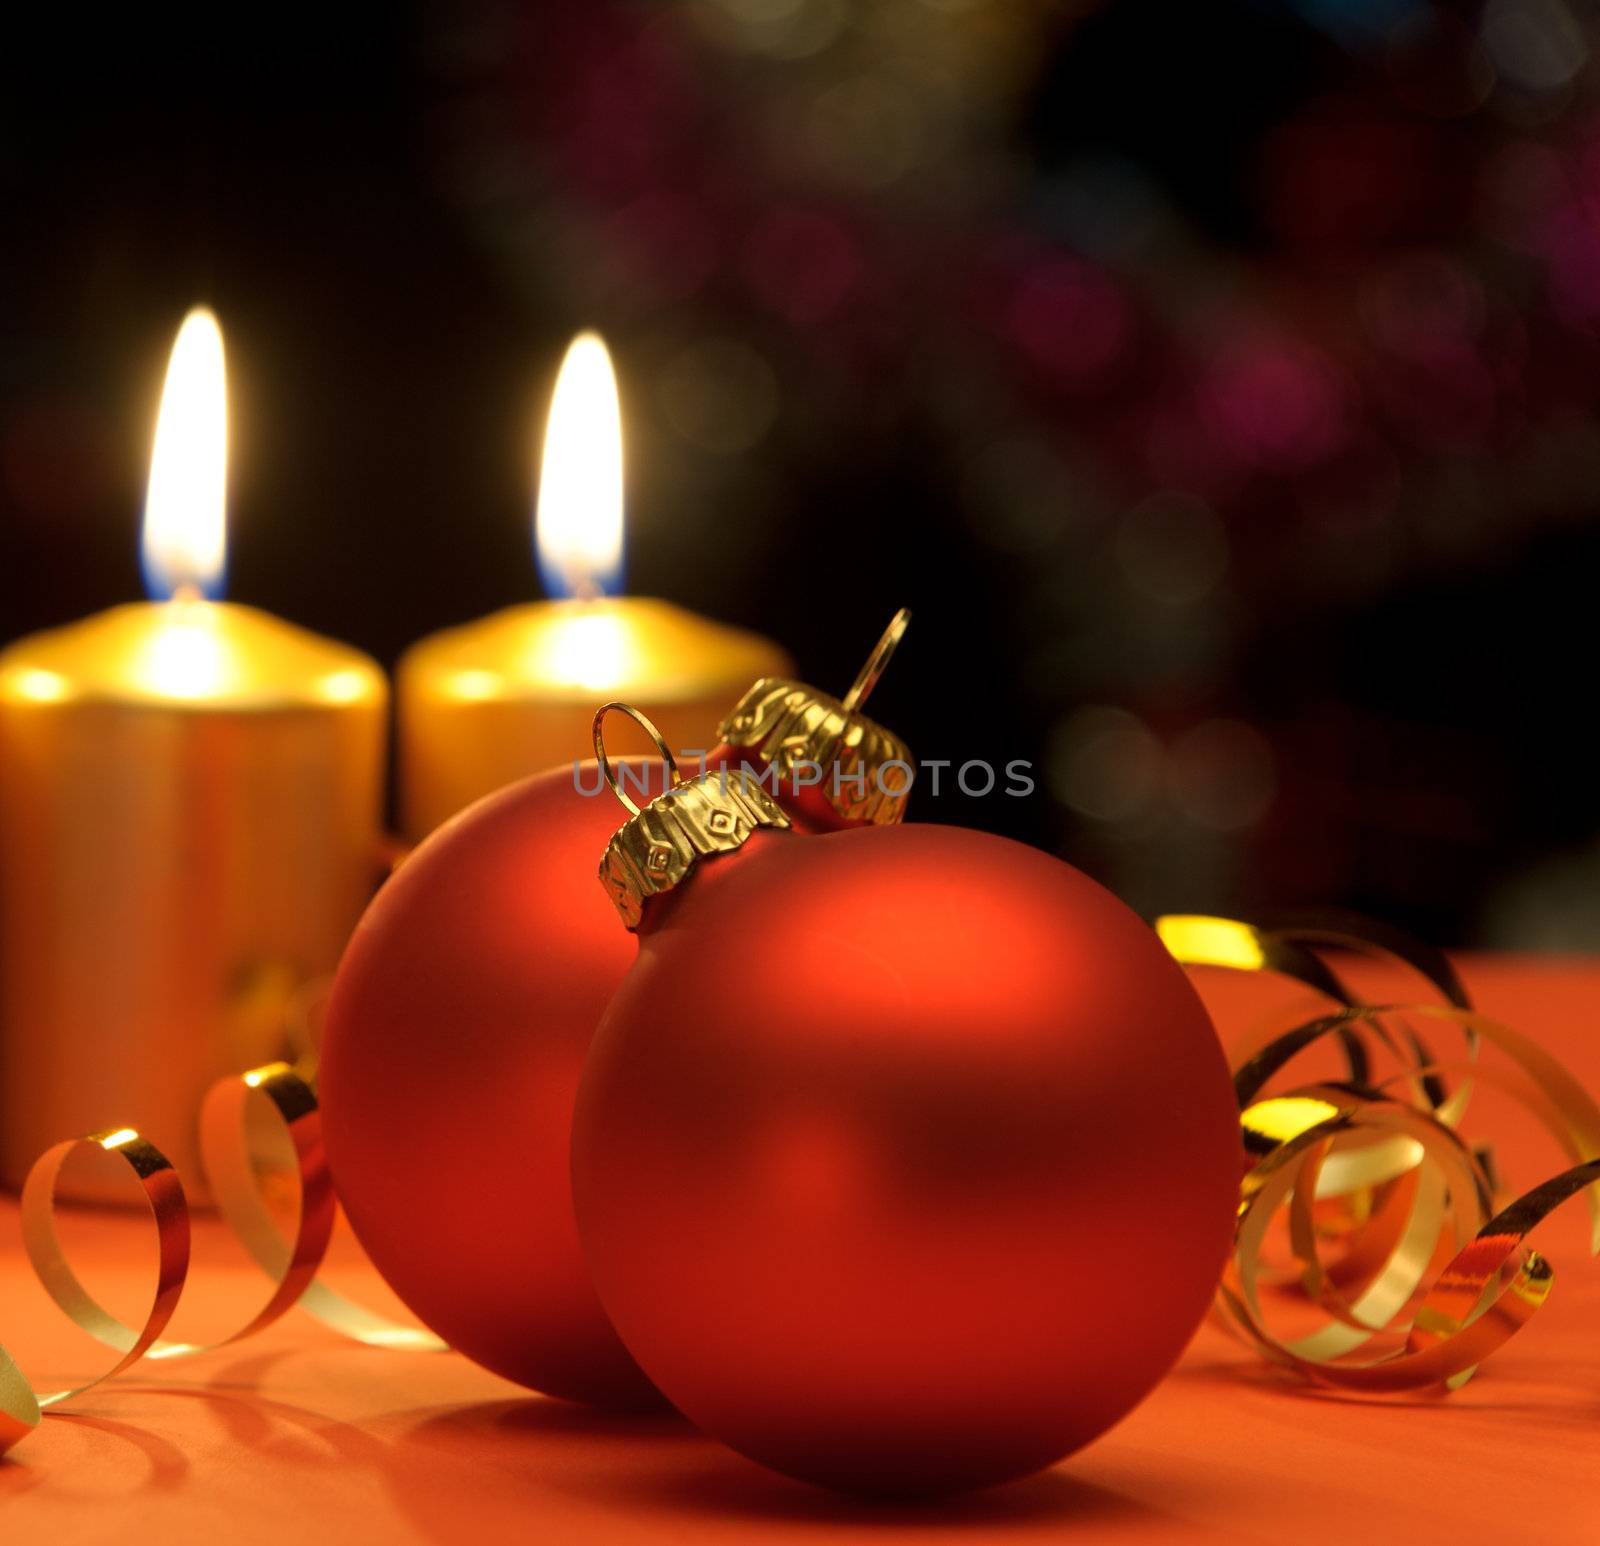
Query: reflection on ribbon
[1387,1220]
[291,1264]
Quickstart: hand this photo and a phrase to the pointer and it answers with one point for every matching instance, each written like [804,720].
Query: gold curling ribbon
[1422,1286]
[1388,1215]
[291,1265]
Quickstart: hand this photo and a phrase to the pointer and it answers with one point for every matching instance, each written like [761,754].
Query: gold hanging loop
[877,661]
[608,773]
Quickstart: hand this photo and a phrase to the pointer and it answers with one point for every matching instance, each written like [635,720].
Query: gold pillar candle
[496,700]
[190,796]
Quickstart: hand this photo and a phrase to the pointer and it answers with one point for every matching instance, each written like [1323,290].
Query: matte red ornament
[455,1035]
[905,1158]
[454,1038]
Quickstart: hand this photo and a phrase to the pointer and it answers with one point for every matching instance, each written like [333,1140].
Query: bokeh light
[719,394]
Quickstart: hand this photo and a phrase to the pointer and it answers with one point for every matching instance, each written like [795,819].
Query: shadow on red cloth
[662,1465]
[484,1467]
[166,1466]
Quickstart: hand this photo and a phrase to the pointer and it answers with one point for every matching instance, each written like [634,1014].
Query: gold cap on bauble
[809,738]
[659,846]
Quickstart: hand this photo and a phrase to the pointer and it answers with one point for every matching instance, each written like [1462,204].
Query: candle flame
[185,535]
[578,528]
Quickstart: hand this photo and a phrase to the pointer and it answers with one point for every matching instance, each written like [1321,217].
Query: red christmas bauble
[454,1038]
[455,1035]
[905,1159]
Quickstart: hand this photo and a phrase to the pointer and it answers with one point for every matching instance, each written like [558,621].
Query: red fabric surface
[297,1436]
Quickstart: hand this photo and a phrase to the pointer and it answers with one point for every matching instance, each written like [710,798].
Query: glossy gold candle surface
[513,694]
[190,796]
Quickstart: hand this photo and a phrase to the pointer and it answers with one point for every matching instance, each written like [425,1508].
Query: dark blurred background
[1219,380]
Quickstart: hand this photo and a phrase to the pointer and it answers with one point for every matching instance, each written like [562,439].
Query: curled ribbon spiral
[1392,1230]
[291,1264]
